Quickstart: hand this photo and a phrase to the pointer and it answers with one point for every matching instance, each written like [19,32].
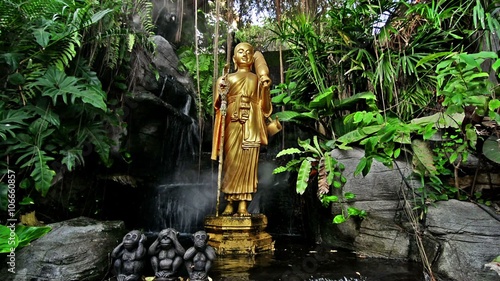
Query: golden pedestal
[239,235]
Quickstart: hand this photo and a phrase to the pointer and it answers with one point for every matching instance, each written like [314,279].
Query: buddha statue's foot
[242,214]
[228,210]
[242,210]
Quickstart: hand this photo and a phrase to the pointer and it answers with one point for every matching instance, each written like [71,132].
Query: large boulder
[76,249]
[469,237]
[380,234]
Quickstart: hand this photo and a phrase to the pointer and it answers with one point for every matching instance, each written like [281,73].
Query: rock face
[459,237]
[469,238]
[381,234]
[162,105]
[76,249]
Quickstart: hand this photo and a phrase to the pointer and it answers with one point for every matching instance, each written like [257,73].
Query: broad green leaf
[440,120]
[496,65]
[279,98]
[329,166]
[42,37]
[99,15]
[313,114]
[27,201]
[42,174]
[44,111]
[289,151]
[94,95]
[361,166]
[98,137]
[494,104]
[16,79]
[352,137]
[372,129]
[453,157]
[5,244]
[287,115]
[354,99]
[352,211]
[423,157]
[368,166]
[303,176]
[279,169]
[27,234]
[305,144]
[397,151]
[338,219]
[330,198]
[322,100]
[491,149]
[469,60]
[72,158]
[349,195]
[358,116]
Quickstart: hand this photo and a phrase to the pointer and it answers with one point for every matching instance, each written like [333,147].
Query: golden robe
[248,107]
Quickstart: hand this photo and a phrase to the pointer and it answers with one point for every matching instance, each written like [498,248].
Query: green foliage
[20,237]
[53,103]
[203,70]
[387,89]
[314,159]
[491,149]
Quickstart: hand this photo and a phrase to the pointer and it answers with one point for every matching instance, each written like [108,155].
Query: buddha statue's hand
[265,81]
[244,115]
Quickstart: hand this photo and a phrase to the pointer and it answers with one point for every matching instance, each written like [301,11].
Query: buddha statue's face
[243,54]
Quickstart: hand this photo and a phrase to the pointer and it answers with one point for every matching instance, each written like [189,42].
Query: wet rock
[75,249]
[381,234]
[469,237]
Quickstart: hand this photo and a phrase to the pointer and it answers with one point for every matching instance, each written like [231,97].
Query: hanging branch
[216,45]
[229,37]
[282,71]
[200,116]
[180,12]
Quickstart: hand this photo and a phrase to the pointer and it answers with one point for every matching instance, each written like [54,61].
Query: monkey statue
[128,257]
[198,259]
[166,255]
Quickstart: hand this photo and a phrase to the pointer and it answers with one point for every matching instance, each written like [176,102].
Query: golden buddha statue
[245,129]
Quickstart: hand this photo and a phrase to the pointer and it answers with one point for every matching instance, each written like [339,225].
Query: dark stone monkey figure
[199,258]
[166,255]
[128,257]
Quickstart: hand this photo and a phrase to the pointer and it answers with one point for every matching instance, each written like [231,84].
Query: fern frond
[289,151]
[98,137]
[280,169]
[72,158]
[42,174]
[10,121]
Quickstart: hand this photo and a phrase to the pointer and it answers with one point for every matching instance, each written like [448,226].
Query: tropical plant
[316,160]
[53,104]
[20,236]
[410,60]
[203,74]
